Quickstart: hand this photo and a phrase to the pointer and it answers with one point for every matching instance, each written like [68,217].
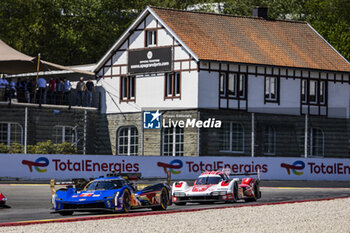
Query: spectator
[59,91]
[28,89]
[10,90]
[3,84]
[81,87]
[67,91]
[90,88]
[20,90]
[42,87]
[52,91]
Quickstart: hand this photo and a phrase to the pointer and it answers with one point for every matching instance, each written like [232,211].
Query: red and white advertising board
[78,166]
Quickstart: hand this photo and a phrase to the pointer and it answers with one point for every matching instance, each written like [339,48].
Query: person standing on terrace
[90,88]
[81,87]
[52,91]
[42,87]
[67,91]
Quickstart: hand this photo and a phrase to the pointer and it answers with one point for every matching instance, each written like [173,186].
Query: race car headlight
[4,199]
[215,193]
[222,192]
[179,194]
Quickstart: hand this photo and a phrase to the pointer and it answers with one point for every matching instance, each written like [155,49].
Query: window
[316,142]
[10,133]
[151,38]
[304,92]
[173,141]
[127,141]
[231,84]
[313,92]
[65,134]
[127,88]
[232,137]
[269,140]
[322,94]
[223,85]
[271,89]
[172,85]
[241,87]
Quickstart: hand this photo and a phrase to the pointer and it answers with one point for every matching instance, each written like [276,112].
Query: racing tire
[235,193]
[66,213]
[164,200]
[126,201]
[257,194]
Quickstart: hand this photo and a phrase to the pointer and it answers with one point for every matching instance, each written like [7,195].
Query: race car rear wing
[247,174]
[78,183]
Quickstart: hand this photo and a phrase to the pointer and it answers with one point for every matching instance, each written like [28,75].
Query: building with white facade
[278,87]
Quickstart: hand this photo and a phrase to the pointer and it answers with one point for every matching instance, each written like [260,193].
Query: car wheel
[126,201]
[164,199]
[66,213]
[235,192]
[256,194]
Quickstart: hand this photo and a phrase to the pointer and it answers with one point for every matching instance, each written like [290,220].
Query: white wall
[208,93]
[149,88]
[338,100]
[289,96]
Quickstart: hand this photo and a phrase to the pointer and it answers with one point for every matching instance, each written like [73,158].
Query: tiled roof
[251,40]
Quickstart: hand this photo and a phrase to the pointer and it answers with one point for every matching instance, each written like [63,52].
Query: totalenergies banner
[87,166]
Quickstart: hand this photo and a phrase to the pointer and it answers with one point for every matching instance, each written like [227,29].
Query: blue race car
[113,193]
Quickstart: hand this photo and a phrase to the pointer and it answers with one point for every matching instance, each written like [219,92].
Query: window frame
[267,141]
[267,97]
[230,138]
[173,141]
[9,132]
[63,134]
[128,145]
[127,88]
[154,33]
[174,85]
[239,85]
[311,142]
[321,92]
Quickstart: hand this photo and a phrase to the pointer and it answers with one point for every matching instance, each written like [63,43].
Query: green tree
[82,31]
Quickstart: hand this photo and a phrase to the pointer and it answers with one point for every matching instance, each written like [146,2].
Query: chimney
[260,12]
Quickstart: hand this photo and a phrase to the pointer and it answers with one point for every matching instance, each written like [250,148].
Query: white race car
[216,186]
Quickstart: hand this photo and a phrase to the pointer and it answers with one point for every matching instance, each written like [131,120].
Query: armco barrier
[44,167]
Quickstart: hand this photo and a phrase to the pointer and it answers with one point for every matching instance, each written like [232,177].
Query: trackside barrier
[46,167]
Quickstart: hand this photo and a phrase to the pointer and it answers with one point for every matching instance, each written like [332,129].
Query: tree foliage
[81,31]
[47,147]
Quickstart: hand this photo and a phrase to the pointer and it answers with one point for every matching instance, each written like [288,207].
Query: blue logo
[151,120]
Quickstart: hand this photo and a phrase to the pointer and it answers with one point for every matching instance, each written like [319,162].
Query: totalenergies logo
[37,164]
[175,164]
[297,165]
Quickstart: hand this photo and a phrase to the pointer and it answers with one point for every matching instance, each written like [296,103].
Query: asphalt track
[33,202]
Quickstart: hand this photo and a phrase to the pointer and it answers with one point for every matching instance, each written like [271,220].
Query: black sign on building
[150,60]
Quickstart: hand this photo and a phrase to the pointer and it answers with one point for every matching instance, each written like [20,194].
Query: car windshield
[105,184]
[208,180]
